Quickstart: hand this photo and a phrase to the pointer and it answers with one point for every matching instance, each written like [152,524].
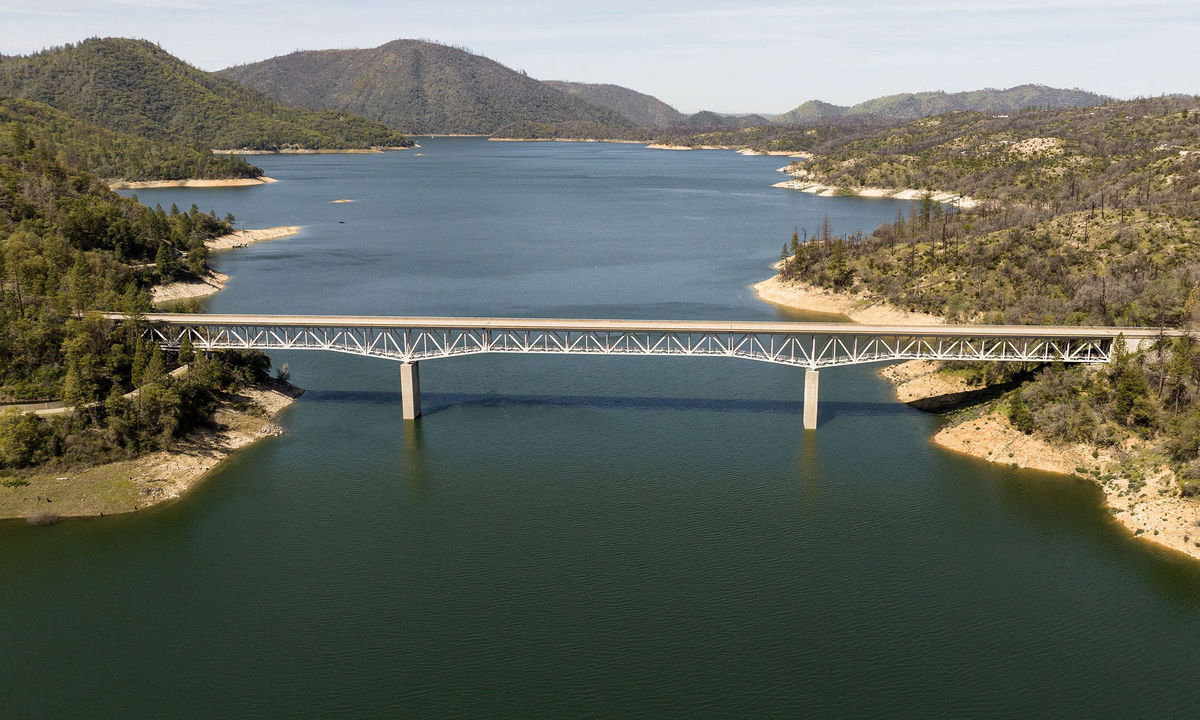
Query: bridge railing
[802,348]
[809,345]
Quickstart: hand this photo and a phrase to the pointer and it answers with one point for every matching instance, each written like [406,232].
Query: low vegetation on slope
[134,87]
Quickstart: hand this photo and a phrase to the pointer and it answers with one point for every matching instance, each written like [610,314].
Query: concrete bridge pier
[812,379]
[410,390]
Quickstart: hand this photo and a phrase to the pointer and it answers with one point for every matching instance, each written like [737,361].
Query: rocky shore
[214,282]
[803,181]
[153,184]
[1143,498]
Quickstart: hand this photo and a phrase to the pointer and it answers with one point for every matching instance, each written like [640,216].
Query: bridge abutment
[410,390]
[812,380]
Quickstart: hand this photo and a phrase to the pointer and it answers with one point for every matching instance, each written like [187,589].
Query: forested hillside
[1082,207]
[1139,151]
[1090,216]
[639,108]
[111,154]
[134,87]
[913,106]
[68,245]
[421,87]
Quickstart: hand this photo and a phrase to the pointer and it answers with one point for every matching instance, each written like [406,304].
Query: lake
[574,536]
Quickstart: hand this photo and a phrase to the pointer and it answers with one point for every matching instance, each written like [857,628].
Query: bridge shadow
[433,403]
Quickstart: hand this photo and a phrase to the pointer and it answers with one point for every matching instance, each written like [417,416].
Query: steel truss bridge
[812,346]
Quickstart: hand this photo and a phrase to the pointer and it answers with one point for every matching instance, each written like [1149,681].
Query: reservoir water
[582,536]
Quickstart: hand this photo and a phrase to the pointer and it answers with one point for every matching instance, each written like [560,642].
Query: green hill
[135,87]
[420,87]
[639,108]
[115,155]
[913,106]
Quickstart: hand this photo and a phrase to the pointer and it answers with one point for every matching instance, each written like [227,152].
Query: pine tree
[186,354]
[1019,414]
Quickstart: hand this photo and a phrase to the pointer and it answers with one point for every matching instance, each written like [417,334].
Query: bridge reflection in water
[812,346]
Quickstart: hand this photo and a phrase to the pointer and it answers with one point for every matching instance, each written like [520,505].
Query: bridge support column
[812,380]
[410,390]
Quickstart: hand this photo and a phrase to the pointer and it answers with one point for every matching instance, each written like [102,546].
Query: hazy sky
[732,56]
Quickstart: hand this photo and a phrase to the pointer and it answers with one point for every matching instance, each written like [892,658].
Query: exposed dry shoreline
[214,282]
[1150,507]
[242,238]
[305,151]
[132,485]
[860,309]
[1154,512]
[741,149]
[152,184]
[196,287]
[803,181]
[572,140]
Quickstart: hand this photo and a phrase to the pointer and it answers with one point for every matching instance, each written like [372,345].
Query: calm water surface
[582,536]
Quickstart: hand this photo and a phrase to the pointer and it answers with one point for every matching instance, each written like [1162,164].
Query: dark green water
[582,536]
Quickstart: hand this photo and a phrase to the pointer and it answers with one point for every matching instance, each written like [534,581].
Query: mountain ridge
[420,87]
[136,87]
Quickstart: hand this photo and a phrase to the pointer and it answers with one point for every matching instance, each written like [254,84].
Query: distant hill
[913,106]
[642,109]
[135,87]
[109,154]
[707,120]
[421,87]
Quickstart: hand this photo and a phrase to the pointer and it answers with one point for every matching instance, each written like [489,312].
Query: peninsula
[1058,234]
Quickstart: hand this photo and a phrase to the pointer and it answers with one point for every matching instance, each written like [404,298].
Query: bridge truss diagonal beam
[809,345]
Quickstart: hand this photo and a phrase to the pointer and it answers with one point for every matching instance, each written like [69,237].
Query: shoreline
[964,202]
[374,149]
[803,182]
[214,282]
[188,183]
[196,287]
[859,309]
[740,149]
[1162,517]
[570,140]
[250,236]
[1165,519]
[131,485]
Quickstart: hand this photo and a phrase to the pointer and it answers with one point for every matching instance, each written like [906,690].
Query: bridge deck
[682,326]
[809,345]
